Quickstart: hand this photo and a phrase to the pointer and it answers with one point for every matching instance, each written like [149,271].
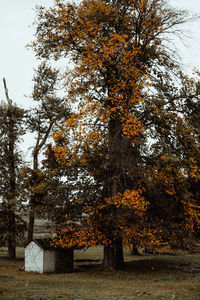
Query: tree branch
[6,93]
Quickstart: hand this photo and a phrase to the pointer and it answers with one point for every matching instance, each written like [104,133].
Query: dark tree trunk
[113,256]
[190,242]
[31,225]
[11,251]
[134,251]
[31,219]
[109,260]
[119,254]
[11,235]
[12,186]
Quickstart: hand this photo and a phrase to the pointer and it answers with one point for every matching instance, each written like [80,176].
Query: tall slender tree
[49,113]
[11,129]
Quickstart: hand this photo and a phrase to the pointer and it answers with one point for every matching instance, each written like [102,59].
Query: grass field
[144,277]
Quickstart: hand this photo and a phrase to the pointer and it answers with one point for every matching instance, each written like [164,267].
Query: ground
[144,277]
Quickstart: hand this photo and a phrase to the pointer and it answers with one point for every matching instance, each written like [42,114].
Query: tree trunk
[11,251]
[134,250]
[12,180]
[190,241]
[109,260]
[119,254]
[11,235]
[31,219]
[31,225]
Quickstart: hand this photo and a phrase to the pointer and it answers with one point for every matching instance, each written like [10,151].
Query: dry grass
[145,277]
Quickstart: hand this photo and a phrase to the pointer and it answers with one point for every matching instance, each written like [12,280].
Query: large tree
[120,54]
[12,120]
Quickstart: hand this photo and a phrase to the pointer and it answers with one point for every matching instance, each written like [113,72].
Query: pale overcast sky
[17,63]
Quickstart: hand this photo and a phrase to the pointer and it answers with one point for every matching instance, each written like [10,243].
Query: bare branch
[6,93]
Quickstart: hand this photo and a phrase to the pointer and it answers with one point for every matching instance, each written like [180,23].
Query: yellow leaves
[141,234]
[170,190]
[87,232]
[118,38]
[131,126]
[194,171]
[114,46]
[166,179]
[192,212]
[131,199]
[78,235]
[57,135]
[163,157]
[72,121]
[148,84]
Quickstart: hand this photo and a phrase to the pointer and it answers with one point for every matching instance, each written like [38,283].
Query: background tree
[173,154]
[43,120]
[12,119]
[119,50]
